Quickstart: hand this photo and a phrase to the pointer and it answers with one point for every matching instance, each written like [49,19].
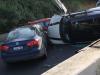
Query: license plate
[18,48]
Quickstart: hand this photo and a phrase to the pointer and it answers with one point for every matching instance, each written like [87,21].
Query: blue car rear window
[21,33]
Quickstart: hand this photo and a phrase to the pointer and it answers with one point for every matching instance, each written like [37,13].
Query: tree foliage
[15,12]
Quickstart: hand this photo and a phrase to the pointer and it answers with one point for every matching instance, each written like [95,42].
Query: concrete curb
[86,62]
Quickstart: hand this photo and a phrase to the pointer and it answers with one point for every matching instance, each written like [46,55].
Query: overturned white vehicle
[75,27]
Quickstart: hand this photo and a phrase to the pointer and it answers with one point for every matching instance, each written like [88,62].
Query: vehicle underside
[83,26]
[80,28]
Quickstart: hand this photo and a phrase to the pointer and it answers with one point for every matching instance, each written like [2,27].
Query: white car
[75,27]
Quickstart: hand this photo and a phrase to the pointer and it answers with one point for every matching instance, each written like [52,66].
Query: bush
[15,12]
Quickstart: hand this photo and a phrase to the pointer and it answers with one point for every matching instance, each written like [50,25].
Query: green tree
[15,12]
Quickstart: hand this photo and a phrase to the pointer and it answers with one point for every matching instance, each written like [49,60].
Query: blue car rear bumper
[21,55]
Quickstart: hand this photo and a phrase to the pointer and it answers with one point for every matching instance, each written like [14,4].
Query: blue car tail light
[4,48]
[33,43]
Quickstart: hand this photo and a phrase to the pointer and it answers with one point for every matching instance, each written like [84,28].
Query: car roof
[29,26]
[38,21]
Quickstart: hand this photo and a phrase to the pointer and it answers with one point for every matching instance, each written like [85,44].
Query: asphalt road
[56,55]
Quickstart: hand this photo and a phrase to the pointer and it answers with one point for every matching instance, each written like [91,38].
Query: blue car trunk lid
[17,45]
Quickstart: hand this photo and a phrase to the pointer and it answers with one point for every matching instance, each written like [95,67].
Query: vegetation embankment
[16,12]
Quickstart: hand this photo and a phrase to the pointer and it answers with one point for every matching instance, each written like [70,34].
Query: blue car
[24,43]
